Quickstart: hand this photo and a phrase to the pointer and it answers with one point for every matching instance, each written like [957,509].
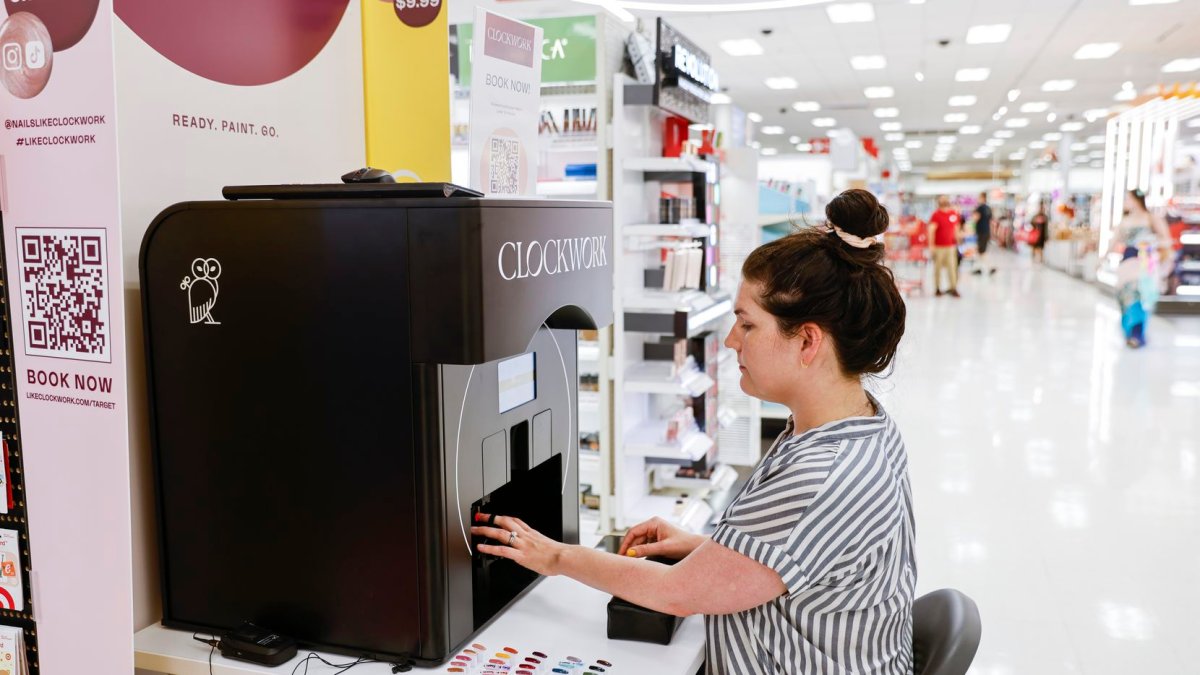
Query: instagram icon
[11,55]
[26,55]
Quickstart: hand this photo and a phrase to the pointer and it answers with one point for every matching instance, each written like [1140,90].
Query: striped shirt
[830,510]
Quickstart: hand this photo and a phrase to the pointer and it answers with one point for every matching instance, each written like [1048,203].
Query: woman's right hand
[658,537]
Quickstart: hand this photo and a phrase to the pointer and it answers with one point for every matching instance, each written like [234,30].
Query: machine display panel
[518,381]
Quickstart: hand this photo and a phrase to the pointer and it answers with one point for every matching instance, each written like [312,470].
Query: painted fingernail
[574,659]
[479,646]
[632,553]
[539,655]
[604,663]
[510,650]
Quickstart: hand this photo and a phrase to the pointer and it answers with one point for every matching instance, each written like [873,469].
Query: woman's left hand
[520,543]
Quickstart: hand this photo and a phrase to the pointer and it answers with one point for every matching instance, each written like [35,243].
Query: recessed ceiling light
[887,113]
[1016,122]
[742,47]
[940,158]
[873,62]
[851,12]
[920,76]
[972,74]
[1079,147]
[955,118]
[1052,136]
[1126,95]
[969,130]
[772,131]
[1059,85]
[962,101]
[781,83]
[754,117]
[894,137]
[794,140]
[1095,114]
[989,34]
[995,142]
[769,151]
[806,106]
[756,145]
[947,139]
[1017,156]
[1035,107]
[1096,140]
[1182,66]
[1013,94]
[913,145]
[804,147]
[1097,50]
[982,155]
[1072,126]
[720,99]
[879,92]
[1051,117]
[891,126]
[824,122]
[1038,145]
[1004,133]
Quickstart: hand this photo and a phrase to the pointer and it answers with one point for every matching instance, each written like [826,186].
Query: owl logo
[202,291]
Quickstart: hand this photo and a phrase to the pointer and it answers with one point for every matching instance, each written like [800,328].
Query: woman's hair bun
[859,213]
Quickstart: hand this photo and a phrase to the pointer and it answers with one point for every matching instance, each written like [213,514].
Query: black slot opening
[518,444]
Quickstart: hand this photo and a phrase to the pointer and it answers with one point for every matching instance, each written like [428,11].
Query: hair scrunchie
[851,239]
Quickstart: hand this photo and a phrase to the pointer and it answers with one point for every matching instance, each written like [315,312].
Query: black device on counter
[628,621]
[344,376]
[257,645]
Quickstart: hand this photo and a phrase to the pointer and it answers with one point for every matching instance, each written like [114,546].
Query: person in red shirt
[944,227]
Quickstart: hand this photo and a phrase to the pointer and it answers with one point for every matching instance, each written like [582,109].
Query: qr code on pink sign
[64,293]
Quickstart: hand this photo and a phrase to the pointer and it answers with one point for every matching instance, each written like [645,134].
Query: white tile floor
[1055,472]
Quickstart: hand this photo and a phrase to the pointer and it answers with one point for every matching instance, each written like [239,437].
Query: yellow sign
[406,86]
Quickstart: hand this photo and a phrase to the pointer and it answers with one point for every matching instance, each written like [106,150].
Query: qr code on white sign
[64,293]
[504,167]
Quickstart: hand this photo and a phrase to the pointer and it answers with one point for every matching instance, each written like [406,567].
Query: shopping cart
[905,249]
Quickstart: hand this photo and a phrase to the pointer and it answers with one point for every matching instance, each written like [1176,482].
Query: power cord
[213,642]
[210,641]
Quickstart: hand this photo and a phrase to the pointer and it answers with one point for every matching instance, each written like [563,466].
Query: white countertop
[559,616]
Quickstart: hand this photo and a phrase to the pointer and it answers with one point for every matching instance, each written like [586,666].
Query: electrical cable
[213,642]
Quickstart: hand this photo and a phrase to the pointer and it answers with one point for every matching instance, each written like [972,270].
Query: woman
[811,568]
[1143,242]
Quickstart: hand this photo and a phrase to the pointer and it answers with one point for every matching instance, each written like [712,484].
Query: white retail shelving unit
[643,390]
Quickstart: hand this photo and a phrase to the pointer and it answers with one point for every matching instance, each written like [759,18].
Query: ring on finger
[512,537]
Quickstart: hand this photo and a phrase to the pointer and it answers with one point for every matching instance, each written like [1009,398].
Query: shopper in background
[811,569]
[1041,230]
[944,228]
[1144,243]
[983,233]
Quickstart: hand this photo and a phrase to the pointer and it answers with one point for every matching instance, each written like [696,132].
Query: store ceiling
[804,44]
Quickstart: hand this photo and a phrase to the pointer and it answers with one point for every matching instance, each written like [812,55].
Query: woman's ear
[811,338]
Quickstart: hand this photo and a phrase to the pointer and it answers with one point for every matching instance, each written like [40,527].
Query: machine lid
[350,191]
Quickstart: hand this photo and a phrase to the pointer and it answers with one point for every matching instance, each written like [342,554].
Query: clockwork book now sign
[506,57]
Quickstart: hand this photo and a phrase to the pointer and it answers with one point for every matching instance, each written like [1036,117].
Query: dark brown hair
[812,275]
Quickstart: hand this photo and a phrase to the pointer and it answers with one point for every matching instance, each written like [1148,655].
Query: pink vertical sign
[61,208]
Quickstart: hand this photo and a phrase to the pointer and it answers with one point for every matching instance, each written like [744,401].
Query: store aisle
[1055,472]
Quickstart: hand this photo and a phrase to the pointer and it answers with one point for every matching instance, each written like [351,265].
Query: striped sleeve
[814,516]
[761,522]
